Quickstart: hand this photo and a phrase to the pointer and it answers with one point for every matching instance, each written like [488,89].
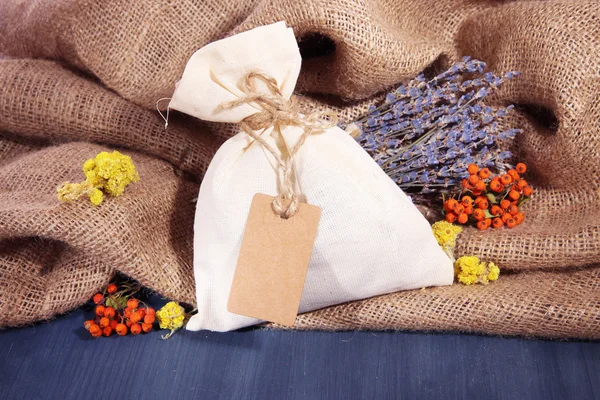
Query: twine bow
[278,111]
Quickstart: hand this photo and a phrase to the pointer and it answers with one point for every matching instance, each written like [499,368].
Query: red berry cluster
[490,201]
[127,316]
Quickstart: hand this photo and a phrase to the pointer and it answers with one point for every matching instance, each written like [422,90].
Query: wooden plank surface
[59,360]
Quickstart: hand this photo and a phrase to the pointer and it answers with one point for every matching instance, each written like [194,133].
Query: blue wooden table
[60,360]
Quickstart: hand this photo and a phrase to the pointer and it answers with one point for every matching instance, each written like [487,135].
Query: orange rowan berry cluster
[488,201]
[118,312]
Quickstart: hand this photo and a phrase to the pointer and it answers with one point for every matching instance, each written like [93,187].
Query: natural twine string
[278,111]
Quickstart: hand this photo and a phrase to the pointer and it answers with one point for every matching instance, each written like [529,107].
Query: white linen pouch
[371,239]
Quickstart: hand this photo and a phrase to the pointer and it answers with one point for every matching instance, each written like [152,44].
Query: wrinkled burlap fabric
[81,76]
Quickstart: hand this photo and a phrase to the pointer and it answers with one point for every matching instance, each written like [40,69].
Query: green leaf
[117,303]
[122,302]
[488,214]
[491,197]
[523,201]
[111,303]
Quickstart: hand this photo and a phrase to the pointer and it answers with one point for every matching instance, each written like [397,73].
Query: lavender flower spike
[426,133]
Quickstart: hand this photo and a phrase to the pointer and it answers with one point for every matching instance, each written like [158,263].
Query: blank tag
[273,262]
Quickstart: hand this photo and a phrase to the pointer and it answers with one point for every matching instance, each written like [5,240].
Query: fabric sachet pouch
[370,240]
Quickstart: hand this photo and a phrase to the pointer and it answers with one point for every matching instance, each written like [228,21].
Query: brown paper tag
[273,262]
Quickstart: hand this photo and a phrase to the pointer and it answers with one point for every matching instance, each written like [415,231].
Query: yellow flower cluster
[445,233]
[171,316]
[106,173]
[470,270]
[111,172]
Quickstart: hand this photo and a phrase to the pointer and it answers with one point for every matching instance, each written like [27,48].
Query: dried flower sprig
[426,133]
[171,316]
[106,173]
[469,270]
[445,233]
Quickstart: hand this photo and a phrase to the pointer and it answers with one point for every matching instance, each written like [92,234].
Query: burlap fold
[108,62]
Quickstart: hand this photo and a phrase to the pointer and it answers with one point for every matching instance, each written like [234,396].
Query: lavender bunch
[426,133]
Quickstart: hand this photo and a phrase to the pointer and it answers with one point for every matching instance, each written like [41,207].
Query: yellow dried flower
[111,172]
[96,196]
[69,191]
[108,172]
[494,272]
[470,270]
[88,166]
[171,316]
[445,233]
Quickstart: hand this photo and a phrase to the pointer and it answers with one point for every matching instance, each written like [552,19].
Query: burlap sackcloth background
[81,76]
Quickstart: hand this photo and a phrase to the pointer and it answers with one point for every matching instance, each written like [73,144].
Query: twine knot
[277,111]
